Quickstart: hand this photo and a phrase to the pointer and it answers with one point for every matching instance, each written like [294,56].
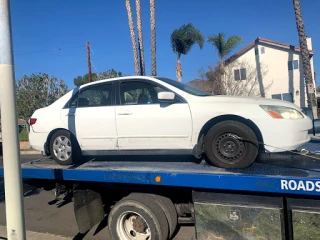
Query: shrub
[23,135]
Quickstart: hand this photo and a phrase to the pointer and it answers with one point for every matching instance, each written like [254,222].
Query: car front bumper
[281,135]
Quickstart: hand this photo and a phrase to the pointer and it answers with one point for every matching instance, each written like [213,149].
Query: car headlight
[282,112]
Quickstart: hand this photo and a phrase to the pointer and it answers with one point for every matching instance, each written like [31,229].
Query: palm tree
[133,38]
[153,37]
[305,55]
[182,40]
[223,46]
[140,39]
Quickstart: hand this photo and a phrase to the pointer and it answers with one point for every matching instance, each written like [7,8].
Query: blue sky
[41,25]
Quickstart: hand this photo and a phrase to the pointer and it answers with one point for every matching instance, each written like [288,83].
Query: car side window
[95,96]
[139,93]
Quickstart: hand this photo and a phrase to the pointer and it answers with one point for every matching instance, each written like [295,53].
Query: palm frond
[231,43]
[183,38]
[218,41]
[222,46]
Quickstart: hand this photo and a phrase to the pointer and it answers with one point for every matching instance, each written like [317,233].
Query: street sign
[310,88]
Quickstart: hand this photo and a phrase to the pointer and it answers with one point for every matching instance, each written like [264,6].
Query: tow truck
[148,197]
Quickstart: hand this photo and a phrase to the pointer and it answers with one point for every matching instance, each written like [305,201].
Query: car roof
[118,79]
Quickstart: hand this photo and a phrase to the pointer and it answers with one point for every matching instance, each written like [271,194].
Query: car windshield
[184,87]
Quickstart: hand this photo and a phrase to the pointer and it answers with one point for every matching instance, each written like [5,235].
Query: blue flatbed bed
[283,187]
[286,175]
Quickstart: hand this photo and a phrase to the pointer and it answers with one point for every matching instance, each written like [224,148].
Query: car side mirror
[166,96]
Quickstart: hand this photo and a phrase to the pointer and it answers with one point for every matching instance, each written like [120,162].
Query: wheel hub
[62,148]
[139,224]
[228,147]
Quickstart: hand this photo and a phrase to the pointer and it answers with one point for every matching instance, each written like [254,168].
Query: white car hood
[245,100]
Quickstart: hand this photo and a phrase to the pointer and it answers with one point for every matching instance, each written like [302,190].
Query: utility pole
[11,149]
[89,62]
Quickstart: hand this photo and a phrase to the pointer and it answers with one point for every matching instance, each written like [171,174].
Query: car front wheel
[231,144]
[64,148]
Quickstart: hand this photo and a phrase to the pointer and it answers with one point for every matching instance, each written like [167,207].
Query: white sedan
[154,115]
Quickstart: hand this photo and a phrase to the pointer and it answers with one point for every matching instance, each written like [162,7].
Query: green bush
[23,135]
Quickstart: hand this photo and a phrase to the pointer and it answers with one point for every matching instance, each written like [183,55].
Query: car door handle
[125,113]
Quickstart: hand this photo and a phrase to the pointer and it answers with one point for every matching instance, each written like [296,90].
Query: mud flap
[88,208]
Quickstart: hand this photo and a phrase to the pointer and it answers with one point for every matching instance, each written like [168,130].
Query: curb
[315,137]
[30,152]
[34,235]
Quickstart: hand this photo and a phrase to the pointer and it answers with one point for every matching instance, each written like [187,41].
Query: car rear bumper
[38,141]
[281,135]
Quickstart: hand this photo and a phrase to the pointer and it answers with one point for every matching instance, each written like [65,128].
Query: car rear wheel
[64,148]
[231,144]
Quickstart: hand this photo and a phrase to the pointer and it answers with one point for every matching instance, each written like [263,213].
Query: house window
[293,64]
[240,74]
[262,50]
[283,96]
[277,96]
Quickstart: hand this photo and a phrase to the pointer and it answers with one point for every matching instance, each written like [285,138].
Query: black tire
[143,205]
[75,155]
[169,210]
[224,150]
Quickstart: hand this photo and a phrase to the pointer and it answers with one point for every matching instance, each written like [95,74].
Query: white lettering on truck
[300,185]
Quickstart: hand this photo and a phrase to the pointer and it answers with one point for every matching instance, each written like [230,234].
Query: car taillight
[32,121]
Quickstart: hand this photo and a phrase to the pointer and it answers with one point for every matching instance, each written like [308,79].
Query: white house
[285,70]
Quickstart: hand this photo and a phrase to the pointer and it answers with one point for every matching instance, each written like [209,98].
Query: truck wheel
[224,150]
[167,207]
[64,148]
[169,210]
[137,217]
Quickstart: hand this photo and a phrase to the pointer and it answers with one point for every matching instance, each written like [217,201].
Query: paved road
[59,218]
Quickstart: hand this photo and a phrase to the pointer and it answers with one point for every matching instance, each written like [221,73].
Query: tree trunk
[133,38]
[179,70]
[222,87]
[305,56]
[153,37]
[140,38]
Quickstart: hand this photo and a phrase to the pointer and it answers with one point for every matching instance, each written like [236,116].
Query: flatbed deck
[288,181]
[285,174]
[274,176]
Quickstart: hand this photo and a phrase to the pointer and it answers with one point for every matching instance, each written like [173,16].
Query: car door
[145,123]
[91,117]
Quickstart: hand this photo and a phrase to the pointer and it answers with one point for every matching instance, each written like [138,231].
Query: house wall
[282,80]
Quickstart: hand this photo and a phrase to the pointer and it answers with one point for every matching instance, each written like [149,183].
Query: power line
[51,50]
[91,50]
[94,66]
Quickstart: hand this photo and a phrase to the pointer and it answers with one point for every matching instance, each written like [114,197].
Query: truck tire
[137,214]
[169,210]
[64,148]
[224,150]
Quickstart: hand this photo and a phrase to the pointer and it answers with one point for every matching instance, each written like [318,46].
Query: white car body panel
[174,127]
[278,134]
[154,126]
[94,127]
